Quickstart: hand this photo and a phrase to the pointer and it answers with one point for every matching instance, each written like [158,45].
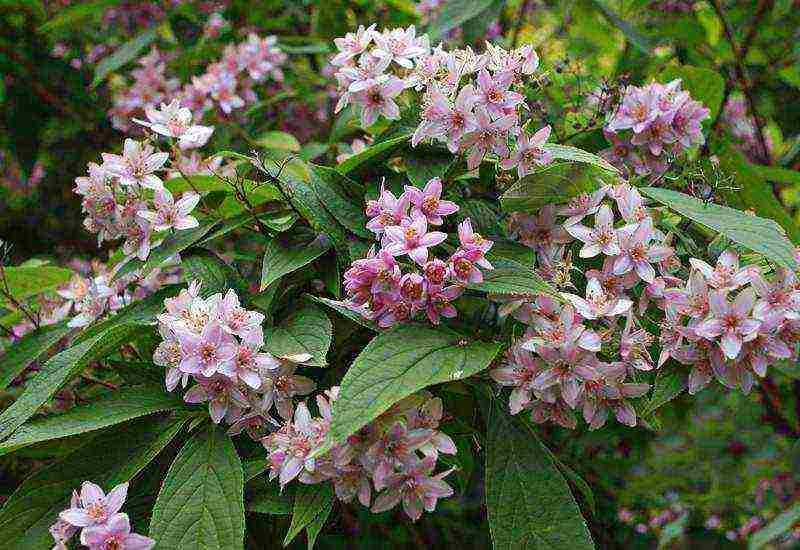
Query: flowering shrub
[488,253]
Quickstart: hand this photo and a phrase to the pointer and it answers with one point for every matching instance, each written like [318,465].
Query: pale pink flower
[62,531]
[353,44]
[280,385]
[225,399]
[394,447]
[598,303]
[488,137]
[519,372]
[415,486]
[494,95]
[95,506]
[400,45]
[378,99]
[388,210]
[207,352]
[581,206]
[637,251]
[726,275]
[413,239]
[529,153]
[137,165]
[732,322]
[235,319]
[602,239]
[428,202]
[170,214]
[176,122]
[115,535]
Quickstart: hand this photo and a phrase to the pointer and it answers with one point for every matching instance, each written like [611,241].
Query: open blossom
[400,45]
[225,399]
[175,121]
[207,352]
[293,446]
[488,137]
[352,44]
[412,239]
[137,165]
[428,202]
[115,535]
[602,239]
[581,206]
[494,95]
[598,303]
[726,275]
[388,210]
[95,506]
[731,322]
[638,251]
[378,99]
[415,486]
[529,153]
[170,214]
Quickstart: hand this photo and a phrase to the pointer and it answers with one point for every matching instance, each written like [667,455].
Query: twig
[7,293]
[739,54]
[94,380]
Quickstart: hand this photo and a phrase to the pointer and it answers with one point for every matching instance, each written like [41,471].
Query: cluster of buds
[378,288]
[227,84]
[97,516]
[394,456]
[664,122]
[218,344]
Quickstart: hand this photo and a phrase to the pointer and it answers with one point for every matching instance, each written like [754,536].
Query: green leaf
[510,277]
[112,457]
[634,37]
[425,165]
[254,467]
[214,275]
[340,308]
[30,348]
[555,183]
[73,16]
[56,371]
[668,385]
[278,140]
[332,188]
[306,331]
[115,408]
[172,245]
[26,282]
[268,499]
[777,527]
[529,503]
[314,528]
[454,14]
[280,260]
[200,504]
[573,154]
[758,234]
[126,53]
[398,363]
[704,85]
[370,153]
[310,501]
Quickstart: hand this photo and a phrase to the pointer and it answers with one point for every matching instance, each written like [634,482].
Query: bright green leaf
[308,330]
[370,153]
[126,53]
[280,260]
[278,140]
[26,282]
[30,348]
[309,502]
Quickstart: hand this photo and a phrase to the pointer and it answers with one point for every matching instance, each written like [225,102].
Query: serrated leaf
[528,501]
[28,349]
[126,53]
[308,330]
[370,153]
[280,260]
[172,245]
[26,282]
[667,386]
[56,371]
[277,140]
[704,85]
[111,458]
[555,183]
[340,308]
[332,188]
[758,234]
[778,526]
[510,277]
[118,407]
[398,363]
[200,504]
[574,154]
[268,499]
[309,502]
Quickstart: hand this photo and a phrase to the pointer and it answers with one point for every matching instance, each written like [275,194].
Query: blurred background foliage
[713,470]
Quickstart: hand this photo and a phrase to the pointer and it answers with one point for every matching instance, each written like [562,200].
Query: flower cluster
[124,198]
[217,343]
[723,321]
[377,286]
[227,84]
[736,118]
[97,516]
[395,455]
[470,102]
[664,122]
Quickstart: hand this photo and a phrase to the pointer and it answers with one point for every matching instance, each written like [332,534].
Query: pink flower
[137,165]
[462,266]
[581,206]
[529,153]
[176,122]
[488,137]
[598,303]
[494,95]
[95,506]
[388,210]
[115,535]
[427,202]
[169,214]
[439,305]
[396,446]
[726,275]
[235,319]
[207,352]
[281,385]
[781,297]
[225,399]
[474,244]
[400,46]
[412,239]
[637,252]
[352,44]
[691,300]
[62,530]
[378,99]
[730,321]
[291,446]
[603,238]
[415,486]
[519,372]
[248,362]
